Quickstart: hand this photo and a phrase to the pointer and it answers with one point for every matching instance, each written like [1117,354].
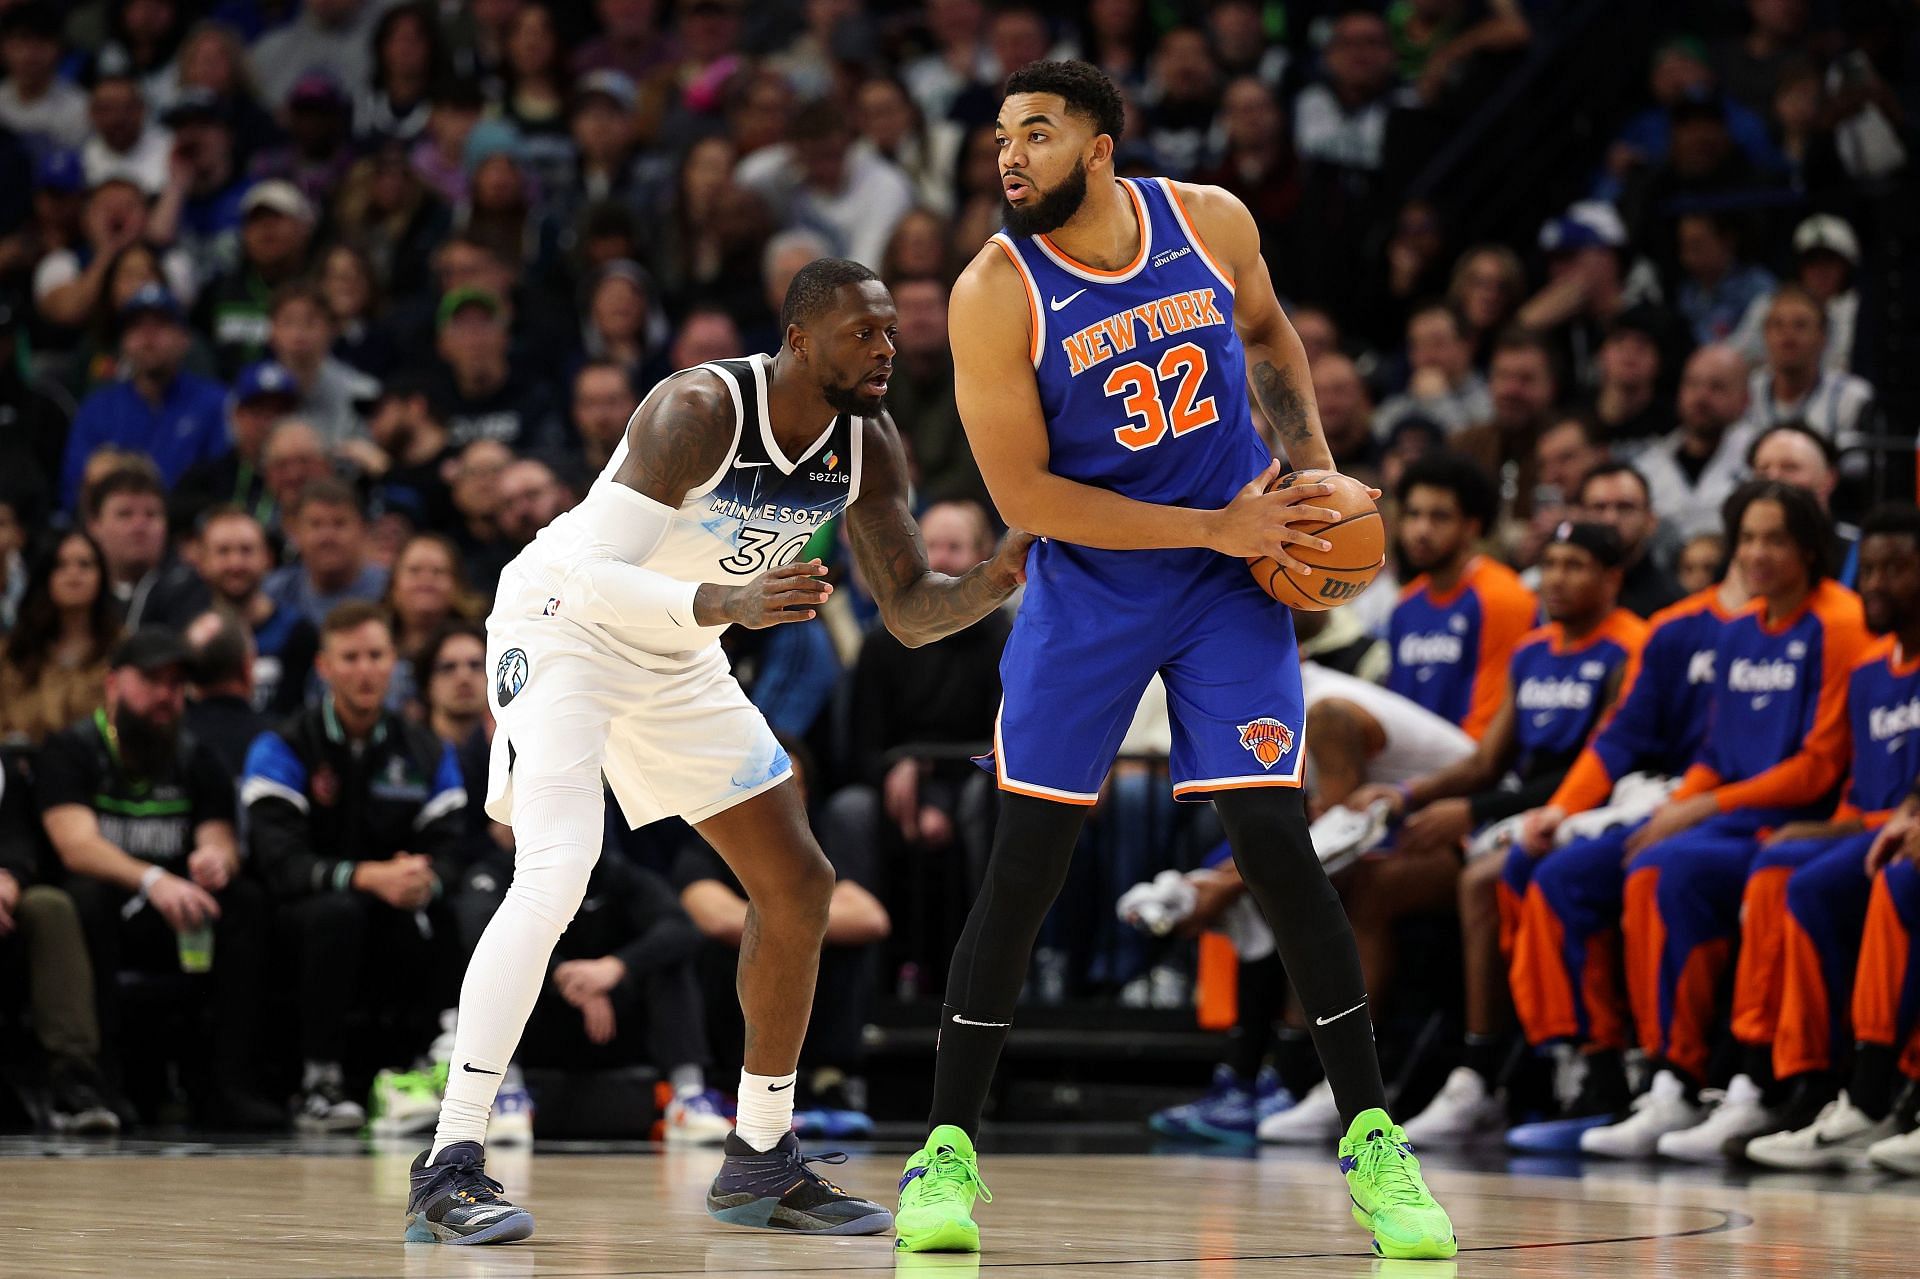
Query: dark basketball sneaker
[79,1105]
[454,1201]
[776,1190]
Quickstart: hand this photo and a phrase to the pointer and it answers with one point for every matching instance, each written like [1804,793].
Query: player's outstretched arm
[999,403]
[1277,372]
[917,604]
[675,441]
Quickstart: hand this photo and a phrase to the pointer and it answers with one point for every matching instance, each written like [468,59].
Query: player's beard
[852,401]
[1049,212]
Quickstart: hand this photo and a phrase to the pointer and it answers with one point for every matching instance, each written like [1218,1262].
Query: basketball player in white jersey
[604,645]
[1359,732]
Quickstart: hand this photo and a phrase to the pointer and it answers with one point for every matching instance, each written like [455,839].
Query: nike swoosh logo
[470,1068]
[1328,1021]
[1058,303]
[738,465]
[780,1087]
[996,1025]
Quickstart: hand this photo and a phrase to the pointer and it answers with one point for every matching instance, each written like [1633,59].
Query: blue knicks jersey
[1883,709]
[1451,652]
[1144,386]
[1560,688]
[1664,704]
[1142,382]
[1771,686]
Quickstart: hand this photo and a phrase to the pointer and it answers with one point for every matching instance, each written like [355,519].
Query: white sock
[766,1109]
[562,821]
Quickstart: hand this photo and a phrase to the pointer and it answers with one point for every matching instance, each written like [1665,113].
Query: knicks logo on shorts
[1268,739]
[510,676]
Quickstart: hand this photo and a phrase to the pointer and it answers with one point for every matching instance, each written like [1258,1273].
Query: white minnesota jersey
[758,510]
[1418,741]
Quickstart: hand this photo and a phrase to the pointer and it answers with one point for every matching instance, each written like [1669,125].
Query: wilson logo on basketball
[1268,739]
[1335,588]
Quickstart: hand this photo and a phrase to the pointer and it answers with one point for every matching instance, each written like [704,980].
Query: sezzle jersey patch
[1267,738]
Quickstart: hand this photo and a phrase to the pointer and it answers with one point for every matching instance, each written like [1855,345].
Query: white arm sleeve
[608,583]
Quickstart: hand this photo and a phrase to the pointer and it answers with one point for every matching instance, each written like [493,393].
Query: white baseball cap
[1827,232]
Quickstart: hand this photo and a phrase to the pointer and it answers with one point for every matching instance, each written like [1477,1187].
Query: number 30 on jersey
[1150,418]
[755,551]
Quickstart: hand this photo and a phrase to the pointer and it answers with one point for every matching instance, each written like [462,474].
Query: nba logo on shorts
[511,675]
[1268,739]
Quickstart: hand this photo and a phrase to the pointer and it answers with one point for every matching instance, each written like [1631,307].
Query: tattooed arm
[917,604]
[1276,362]
[678,438]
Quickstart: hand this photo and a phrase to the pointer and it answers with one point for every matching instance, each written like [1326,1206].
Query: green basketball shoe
[936,1196]
[1389,1198]
[404,1103]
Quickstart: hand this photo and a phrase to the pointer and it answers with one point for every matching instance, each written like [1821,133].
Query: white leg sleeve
[558,829]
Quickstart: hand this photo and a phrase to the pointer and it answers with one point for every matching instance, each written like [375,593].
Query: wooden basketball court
[153,1210]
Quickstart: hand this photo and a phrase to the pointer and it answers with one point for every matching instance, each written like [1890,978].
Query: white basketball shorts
[677,742]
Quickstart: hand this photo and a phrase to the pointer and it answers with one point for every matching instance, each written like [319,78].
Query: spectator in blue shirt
[325,521]
[1679,75]
[1716,286]
[204,183]
[175,417]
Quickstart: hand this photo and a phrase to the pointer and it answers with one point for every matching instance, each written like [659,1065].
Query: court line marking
[1730,1220]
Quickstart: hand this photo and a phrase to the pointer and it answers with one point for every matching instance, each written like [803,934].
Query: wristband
[150,878]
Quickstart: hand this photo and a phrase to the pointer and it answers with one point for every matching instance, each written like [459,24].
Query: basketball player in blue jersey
[604,642]
[1104,345]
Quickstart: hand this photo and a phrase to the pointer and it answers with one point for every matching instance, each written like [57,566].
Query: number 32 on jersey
[1150,417]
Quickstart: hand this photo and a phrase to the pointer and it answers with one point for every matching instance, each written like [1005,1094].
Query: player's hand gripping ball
[1358,553]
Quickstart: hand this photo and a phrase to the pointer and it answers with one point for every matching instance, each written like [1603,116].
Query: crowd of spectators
[312,315]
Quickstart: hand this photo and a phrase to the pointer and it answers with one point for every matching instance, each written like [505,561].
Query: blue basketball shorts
[1074,670]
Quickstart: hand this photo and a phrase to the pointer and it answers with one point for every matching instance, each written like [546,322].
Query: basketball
[1339,574]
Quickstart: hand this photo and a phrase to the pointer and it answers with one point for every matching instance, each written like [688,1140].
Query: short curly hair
[1459,475]
[813,288]
[1087,91]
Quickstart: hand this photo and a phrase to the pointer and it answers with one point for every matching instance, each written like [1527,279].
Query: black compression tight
[1033,844]
[1267,827]
[1032,847]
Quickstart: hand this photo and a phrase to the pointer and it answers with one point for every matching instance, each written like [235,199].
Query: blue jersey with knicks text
[1559,688]
[1451,651]
[1144,386]
[1779,690]
[1883,709]
[1664,705]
